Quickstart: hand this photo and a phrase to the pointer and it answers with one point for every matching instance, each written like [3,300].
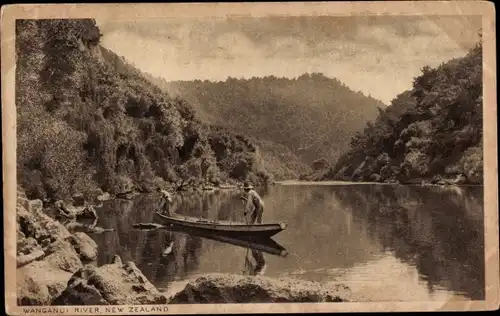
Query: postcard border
[120,11]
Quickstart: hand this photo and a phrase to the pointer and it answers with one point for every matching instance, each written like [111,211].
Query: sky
[377,55]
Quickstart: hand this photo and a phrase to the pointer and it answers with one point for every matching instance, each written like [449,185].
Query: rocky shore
[57,266]
[47,253]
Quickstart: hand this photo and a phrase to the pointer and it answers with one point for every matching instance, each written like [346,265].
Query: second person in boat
[254,204]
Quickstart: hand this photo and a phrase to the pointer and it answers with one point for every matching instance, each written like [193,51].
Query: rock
[114,284]
[39,282]
[100,230]
[79,291]
[84,246]
[375,177]
[23,260]
[78,199]
[62,255]
[425,182]
[77,226]
[36,205]
[231,288]
[104,197]
[87,212]
[45,259]
[460,179]
[27,245]
[31,225]
[117,260]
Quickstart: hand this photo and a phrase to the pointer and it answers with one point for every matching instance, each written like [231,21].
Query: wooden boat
[235,229]
[265,245]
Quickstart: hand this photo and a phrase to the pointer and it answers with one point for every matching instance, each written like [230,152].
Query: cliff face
[87,121]
[430,132]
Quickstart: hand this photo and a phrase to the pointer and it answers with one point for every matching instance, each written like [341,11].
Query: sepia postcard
[214,158]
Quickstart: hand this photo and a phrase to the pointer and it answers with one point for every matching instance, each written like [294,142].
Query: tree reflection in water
[438,230]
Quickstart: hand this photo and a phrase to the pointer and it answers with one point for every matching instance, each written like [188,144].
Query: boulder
[34,223]
[26,246]
[23,260]
[84,246]
[111,284]
[39,282]
[62,255]
[231,288]
[45,257]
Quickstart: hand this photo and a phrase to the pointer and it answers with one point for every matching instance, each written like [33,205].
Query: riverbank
[419,182]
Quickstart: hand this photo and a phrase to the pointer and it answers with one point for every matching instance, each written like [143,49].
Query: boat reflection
[268,245]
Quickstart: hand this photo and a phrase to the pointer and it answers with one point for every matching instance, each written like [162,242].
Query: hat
[247,185]
[166,194]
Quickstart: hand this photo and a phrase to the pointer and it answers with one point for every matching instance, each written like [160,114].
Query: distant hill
[432,132]
[310,117]
[87,120]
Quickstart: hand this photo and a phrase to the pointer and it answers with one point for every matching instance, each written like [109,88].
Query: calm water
[406,243]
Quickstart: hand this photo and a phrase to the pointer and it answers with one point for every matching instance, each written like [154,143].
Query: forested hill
[432,132]
[87,121]
[313,116]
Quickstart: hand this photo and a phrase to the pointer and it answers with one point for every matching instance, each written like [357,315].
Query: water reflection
[257,267]
[388,242]
[437,230]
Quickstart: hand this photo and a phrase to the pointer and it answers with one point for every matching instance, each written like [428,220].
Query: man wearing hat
[253,202]
[165,202]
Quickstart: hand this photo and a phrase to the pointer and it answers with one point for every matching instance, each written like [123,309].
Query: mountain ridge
[305,114]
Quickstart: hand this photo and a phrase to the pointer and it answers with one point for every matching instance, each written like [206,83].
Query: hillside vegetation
[86,120]
[310,117]
[430,132]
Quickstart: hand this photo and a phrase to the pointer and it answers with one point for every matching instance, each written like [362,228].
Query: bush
[427,128]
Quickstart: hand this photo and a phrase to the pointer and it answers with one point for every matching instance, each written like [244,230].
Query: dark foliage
[295,121]
[87,120]
[433,129]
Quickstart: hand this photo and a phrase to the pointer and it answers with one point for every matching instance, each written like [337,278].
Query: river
[386,242]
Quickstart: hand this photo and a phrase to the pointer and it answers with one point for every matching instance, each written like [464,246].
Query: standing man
[253,202]
[165,202]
